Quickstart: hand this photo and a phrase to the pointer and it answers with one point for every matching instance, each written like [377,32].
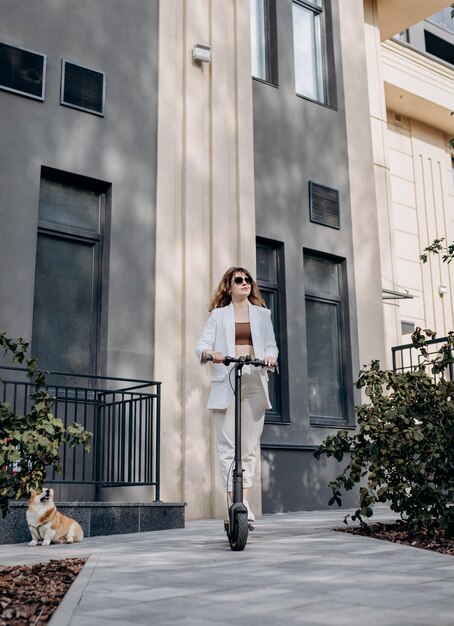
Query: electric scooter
[237,525]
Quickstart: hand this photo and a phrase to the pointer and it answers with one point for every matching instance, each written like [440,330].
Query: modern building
[147,146]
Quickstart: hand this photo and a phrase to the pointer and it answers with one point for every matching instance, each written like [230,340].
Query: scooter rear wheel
[239,533]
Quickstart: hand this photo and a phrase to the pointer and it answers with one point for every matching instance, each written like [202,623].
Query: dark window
[264,40]
[324,205]
[439,47]
[68,274]
[270,278]
[407,327]
[82,88]
[22,71]
[327,345]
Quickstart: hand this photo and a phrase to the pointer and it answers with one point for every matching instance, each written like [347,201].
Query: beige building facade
[399,129]
[411,95]
[326,179]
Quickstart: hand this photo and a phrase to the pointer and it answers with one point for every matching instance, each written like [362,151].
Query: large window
[68,274]
[270,278]
[264,40]
[308,49]
[327,345]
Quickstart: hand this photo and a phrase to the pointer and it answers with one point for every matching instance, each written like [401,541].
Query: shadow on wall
[293,480]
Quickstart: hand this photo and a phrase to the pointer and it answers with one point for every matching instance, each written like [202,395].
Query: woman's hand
[216,357]
[270,361]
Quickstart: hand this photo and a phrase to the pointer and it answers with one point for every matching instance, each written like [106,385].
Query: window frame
[100,240]
[18,92]
[340,301]
[319,13]
[280,414]
[271,61]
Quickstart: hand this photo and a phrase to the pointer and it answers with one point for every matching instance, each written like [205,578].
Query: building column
[363,192]
[205,222]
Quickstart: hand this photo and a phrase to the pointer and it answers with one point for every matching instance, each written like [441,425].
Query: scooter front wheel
[239,533]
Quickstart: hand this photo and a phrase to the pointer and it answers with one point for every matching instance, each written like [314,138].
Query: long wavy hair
[222,297]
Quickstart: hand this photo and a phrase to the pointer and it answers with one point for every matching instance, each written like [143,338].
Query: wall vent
[324,205]
[22,71]
[82,88]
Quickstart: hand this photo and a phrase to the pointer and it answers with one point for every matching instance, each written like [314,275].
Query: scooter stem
[238,466]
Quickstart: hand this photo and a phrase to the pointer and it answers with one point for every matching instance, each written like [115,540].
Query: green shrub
[31,442]
[403,450]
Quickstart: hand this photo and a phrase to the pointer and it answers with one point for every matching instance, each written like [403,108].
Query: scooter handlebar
[245,360]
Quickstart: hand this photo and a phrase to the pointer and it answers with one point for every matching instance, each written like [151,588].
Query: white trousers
[253,406]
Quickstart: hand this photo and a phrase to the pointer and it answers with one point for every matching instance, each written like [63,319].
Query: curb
[65,610]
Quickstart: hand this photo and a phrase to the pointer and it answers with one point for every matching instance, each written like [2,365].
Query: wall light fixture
[201,54]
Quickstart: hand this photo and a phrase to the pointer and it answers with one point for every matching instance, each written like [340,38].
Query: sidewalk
[295,570]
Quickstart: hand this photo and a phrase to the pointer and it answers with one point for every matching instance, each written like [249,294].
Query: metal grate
[22,71]
[324,205]
[82,88]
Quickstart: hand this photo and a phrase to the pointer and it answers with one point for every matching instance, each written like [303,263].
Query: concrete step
[100,518]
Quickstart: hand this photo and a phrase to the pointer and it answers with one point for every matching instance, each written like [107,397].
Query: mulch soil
[29,594]
[397,533]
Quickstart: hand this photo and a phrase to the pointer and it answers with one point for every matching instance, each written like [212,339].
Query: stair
[100,518]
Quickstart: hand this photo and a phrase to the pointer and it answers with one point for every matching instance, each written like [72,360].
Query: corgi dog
[46,524]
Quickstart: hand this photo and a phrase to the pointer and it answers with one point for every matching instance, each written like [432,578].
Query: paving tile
[295,570]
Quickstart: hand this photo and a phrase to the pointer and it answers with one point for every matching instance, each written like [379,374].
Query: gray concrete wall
[297,141]
[294,480]
[120,39]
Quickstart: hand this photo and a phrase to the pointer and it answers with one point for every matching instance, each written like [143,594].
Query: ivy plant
[30,443]
[403,450]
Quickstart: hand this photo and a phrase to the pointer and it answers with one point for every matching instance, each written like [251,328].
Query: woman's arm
[271,350]
[205,344]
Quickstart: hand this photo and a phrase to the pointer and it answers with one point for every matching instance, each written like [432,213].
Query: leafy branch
[403,450]
[438,247]
[29,443]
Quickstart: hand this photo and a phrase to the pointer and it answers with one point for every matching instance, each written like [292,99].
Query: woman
[239,324]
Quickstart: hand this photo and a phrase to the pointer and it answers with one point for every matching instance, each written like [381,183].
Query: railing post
[450,365]
[97,448]
[158,445]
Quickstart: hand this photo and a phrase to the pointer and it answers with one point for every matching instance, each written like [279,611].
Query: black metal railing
[123,415]
[408,357]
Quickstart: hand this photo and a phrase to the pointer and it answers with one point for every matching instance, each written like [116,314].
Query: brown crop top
[243,336]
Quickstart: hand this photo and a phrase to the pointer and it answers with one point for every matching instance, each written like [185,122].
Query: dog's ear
[52,493]
[32,493]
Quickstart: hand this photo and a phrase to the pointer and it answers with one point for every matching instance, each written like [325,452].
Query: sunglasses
[239,280]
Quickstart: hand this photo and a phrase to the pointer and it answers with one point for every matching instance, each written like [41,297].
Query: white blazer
[219,335]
